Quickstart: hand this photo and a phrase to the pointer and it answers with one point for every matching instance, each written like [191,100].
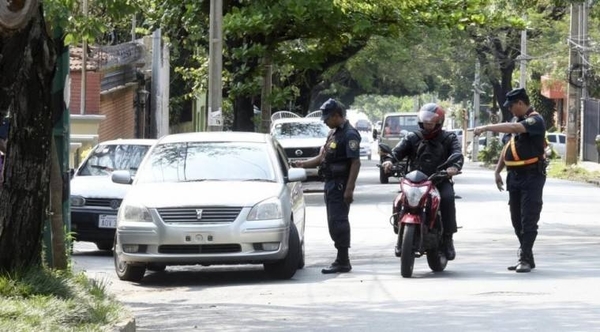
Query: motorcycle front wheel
[407,260]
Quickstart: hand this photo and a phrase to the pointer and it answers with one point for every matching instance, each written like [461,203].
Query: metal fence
[591,128]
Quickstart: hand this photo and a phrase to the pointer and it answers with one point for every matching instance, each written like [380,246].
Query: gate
[591,128]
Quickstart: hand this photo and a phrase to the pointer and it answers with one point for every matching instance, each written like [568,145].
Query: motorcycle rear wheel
[407,260]
[437,260]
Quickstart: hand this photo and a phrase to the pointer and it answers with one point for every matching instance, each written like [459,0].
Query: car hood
[232,193]
[302,142]
[97,187]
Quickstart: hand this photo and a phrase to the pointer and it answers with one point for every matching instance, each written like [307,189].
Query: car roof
[216,136]
[302,120]
[130,141]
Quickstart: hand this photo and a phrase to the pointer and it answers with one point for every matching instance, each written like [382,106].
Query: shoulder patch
[530,120]
[353,144]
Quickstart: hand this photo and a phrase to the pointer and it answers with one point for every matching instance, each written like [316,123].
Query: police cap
[331,106]
[516,95]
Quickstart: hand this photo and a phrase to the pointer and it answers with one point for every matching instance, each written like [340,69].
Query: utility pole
[475,149]
[584,41]
[215,67]
[573,93]
[82,105]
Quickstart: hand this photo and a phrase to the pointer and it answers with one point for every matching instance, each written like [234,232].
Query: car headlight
[131,212]
[267,209]
[77,200]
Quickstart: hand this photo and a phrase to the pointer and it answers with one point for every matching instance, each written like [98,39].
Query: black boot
[449,247]
[341,264]
[531,262]
[524,265]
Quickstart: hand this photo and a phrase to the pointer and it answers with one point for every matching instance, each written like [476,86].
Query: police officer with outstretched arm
[524,157]
[339,163]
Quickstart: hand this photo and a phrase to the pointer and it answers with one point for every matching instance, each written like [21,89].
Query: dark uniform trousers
[447,206]
[337,211]
[525,188]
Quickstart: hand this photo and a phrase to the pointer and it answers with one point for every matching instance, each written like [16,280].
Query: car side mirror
[296,174]
[122,177]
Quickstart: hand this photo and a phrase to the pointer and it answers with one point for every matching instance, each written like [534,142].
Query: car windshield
[300,130]
[207,161]
[107,158]
[395,124]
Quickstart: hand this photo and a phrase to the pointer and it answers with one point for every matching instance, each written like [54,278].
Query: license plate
[107,221]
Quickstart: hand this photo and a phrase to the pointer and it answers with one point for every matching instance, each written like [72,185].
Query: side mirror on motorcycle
[455,158]
[375,134]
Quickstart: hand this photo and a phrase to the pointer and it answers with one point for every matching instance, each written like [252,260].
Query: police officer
[524,157]
[339,163]
[428,148]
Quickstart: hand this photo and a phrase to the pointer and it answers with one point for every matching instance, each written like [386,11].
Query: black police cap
[516,95]
[329,107]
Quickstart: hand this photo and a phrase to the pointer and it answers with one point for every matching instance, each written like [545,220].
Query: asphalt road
[475,293]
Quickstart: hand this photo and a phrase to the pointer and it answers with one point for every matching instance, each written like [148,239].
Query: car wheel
[105,245]
[286,268]
[126,271]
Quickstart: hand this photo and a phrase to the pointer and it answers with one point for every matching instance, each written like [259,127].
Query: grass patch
[558,169]
[44,300]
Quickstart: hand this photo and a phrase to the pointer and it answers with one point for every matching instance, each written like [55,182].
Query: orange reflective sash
[513,149]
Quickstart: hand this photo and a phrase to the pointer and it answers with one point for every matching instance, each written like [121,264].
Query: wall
[119,110]
[92,97]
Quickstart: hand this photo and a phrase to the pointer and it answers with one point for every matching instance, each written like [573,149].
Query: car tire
[302,262]
[126,271]
[105,245]
[286,268]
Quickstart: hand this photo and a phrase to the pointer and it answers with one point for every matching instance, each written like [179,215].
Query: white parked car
[212,198]
[95,199]
[366,142]
[301,138]
[558,142]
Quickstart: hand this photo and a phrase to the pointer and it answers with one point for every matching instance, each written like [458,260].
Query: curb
[596,182]
[125,325]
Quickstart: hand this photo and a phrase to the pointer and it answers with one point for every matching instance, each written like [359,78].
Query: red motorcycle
[417,218]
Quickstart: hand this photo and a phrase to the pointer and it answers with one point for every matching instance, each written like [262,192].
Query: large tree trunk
[59,249]
[27,62]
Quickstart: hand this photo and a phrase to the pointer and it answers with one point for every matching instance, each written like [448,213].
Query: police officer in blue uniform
[524,157]
[339,163]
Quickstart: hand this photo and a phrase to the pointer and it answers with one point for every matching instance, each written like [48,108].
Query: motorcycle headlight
[267,209]
[77,200]
[413,194]
[133,212]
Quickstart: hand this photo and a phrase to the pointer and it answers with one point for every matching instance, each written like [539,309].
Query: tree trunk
[243,114]
[27,63]
[59,252]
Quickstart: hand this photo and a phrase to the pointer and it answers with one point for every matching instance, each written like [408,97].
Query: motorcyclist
[428,148]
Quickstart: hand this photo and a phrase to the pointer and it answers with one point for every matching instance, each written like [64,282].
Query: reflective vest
[526,145]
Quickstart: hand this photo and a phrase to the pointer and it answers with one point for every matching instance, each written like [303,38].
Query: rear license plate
[107,221]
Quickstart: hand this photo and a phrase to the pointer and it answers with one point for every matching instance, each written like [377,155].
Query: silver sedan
[212,198]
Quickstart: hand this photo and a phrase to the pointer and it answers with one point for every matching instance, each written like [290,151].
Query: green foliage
[44,300]
[543,105]
[491,153]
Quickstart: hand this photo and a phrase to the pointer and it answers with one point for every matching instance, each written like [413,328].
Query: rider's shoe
[449,247]
[397,251]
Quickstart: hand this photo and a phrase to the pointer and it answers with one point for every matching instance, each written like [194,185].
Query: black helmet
[431,113]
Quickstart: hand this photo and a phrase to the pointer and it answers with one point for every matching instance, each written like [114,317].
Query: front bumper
[85,224]
[239,242]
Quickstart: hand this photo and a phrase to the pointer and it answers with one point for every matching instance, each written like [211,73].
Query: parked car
[363,125]
[301,138]
[366,142]
[212,198]
[558,141]
[95,199]
[482,144]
